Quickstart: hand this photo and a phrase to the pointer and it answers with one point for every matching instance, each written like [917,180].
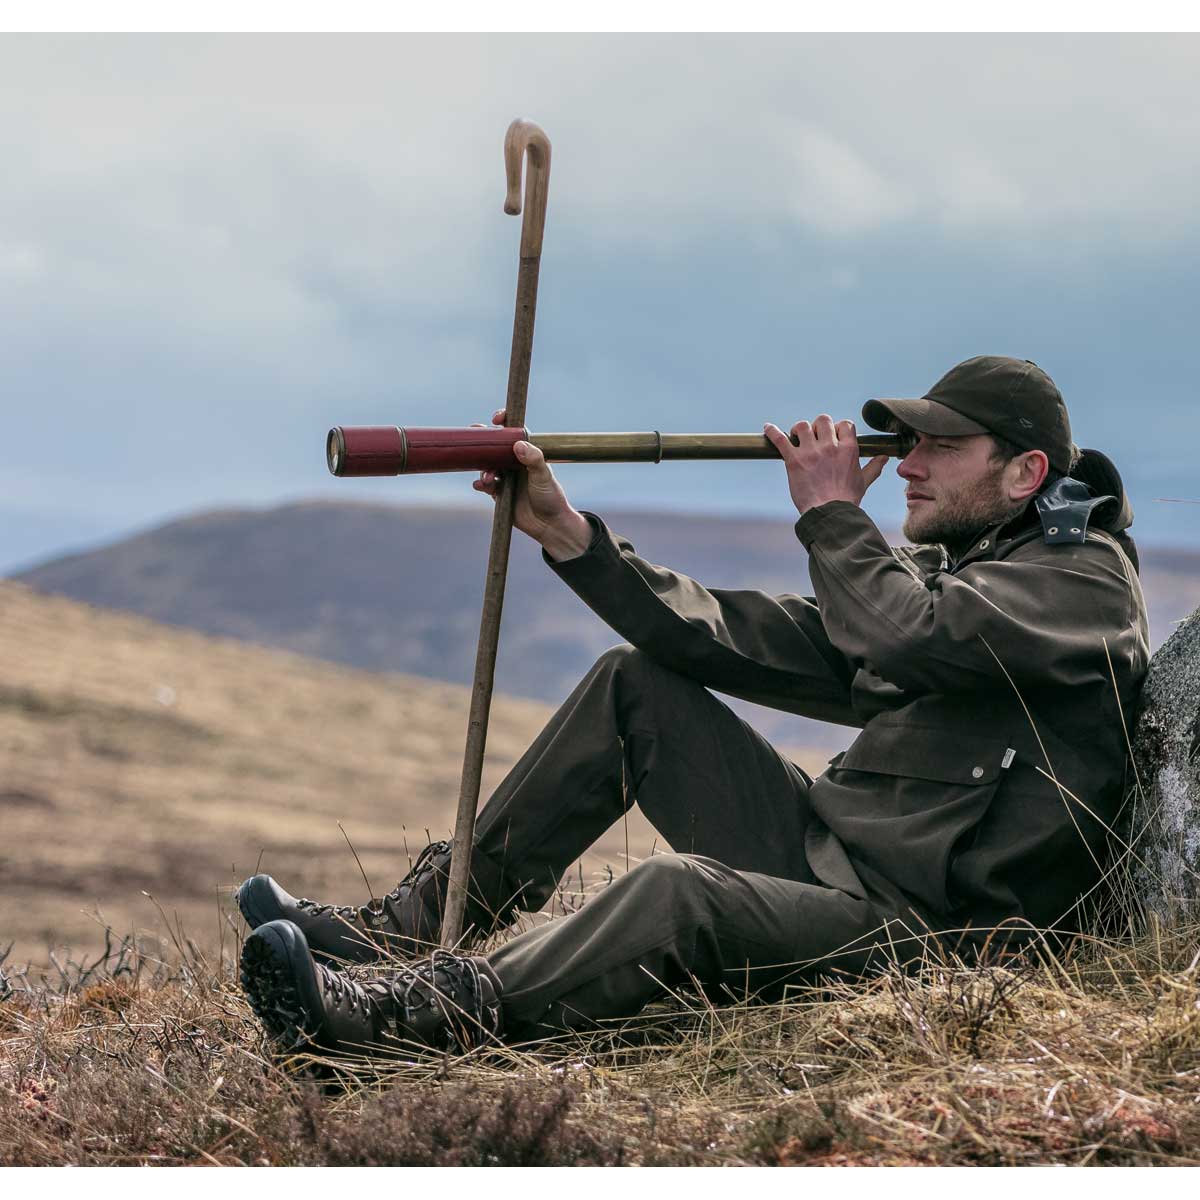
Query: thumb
[529,456]
[873,470]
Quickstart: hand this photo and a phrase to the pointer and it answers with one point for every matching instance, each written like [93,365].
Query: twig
[370,893]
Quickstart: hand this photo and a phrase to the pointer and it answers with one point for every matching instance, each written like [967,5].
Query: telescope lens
[332,454]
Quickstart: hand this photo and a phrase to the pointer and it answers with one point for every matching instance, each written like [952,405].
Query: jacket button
[976,772]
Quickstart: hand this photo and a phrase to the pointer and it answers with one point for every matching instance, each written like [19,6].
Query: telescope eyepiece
[335,451]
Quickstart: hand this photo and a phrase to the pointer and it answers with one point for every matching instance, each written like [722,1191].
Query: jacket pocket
[945,755]
[904,799]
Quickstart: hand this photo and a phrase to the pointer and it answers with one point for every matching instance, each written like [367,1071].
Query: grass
[136,758]
[1086,1060]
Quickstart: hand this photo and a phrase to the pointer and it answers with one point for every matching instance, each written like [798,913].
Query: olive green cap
[1011,397]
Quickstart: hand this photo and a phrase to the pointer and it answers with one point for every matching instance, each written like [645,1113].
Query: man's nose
[909,467]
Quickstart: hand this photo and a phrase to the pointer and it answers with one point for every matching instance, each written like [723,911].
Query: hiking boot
[405,922]
[447,1002]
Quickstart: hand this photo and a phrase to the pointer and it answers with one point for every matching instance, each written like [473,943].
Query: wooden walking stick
[523,139]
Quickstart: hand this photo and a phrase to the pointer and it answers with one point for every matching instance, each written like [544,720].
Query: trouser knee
[626,661]
[665,884]
[642,686]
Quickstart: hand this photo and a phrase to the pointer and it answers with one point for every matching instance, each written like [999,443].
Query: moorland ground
[138,758]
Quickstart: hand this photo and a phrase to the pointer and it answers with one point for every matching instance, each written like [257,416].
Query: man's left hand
[822,462]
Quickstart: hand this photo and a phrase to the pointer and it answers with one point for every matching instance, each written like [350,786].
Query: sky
[212,248]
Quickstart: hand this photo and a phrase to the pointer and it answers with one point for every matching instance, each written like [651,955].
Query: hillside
[398,589]
[135,757]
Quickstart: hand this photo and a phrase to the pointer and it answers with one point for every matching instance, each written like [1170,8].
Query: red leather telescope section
[462,449]
[390,450]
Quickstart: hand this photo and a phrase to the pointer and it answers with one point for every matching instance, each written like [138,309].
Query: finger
[802,435]
[823,429]
[777,438]
[478,425]
[846,437]
[498,417]
[873,470]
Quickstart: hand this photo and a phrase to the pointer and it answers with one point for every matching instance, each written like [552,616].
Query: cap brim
[925,416]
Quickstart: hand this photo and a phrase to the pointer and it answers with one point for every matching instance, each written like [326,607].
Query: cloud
[213,247]
[837,190]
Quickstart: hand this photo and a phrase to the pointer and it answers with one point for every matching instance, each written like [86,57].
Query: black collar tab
[1065,508]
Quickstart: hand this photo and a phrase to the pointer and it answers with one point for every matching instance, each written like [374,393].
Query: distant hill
[392,588]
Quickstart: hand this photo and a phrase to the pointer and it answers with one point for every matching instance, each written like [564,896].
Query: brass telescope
[360,450]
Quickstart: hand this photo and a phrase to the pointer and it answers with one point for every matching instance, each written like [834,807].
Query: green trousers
[735,909]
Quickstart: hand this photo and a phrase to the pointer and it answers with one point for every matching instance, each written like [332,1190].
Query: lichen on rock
[1164,807]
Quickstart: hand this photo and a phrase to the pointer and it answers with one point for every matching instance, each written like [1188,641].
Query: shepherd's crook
[523,138]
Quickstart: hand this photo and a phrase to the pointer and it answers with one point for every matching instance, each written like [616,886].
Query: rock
[1165,806]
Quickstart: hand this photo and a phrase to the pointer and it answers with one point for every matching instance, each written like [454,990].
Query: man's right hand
[542,509]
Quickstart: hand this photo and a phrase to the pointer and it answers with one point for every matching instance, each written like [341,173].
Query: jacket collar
[999,537]
[1059,513]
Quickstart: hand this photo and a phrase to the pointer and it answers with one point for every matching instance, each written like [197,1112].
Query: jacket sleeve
[1040,617]
[771,650]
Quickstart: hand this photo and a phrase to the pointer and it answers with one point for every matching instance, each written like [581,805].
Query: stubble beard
[959,516]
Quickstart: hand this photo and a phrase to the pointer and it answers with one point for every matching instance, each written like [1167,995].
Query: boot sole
[280,983]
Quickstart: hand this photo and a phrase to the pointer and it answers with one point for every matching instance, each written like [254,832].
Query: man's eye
[946,446]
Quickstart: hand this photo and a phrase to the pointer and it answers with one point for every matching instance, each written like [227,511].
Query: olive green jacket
[993,695]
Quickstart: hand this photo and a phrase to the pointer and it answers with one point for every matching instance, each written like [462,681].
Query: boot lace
[335,984]
[422,867]
[443,997]
[346,911]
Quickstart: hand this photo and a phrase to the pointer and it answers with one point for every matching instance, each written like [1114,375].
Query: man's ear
[1026,474]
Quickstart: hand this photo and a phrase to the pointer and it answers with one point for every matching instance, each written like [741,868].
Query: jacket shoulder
[1097,547]
[1097,562]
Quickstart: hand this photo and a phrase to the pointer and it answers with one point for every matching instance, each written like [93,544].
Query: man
[992,670]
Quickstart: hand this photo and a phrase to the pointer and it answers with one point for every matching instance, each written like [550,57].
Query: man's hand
[542,509]
[822,463]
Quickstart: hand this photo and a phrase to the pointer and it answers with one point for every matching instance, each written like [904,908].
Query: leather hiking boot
[447,1002]
[405,922]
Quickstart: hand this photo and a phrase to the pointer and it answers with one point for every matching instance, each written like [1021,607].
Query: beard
[957,517]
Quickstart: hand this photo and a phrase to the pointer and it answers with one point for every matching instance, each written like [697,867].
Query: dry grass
[138,757]
[1094,1059]
[135,757]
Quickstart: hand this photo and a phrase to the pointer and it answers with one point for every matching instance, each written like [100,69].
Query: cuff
[601,538]
[837,521]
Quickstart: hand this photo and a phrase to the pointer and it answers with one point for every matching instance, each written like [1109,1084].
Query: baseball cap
[1011,397]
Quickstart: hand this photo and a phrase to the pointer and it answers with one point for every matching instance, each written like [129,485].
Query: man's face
[954,490]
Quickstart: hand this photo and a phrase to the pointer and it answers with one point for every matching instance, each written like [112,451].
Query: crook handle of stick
[525,138]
